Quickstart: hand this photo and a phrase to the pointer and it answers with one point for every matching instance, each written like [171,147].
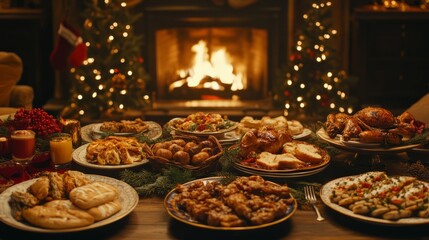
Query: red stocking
[78,55]
[68,38]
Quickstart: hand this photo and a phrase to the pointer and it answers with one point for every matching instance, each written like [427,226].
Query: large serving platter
[278,174]
[326,192]
[182,216]
[79,157]
[91,132]
[201,133]
[362,148]
[127,195]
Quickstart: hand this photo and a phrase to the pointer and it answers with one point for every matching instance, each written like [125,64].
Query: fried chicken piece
[352,129]
[74,179]
[40,188]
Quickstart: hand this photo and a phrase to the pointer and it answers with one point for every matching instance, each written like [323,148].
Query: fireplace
[202,54]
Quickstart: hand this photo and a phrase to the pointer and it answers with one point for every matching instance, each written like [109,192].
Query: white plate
[326,191]
[358,144]
[184,217]
[79,156]
[305,133]
[88,134]
[337,143]
[128,197]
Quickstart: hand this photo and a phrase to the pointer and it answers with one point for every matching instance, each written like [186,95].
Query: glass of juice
[22,146]
[61,149]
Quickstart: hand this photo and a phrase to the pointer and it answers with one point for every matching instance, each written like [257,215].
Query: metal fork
[310,196]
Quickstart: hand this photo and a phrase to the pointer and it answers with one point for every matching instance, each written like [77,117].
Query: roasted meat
[351,129]
[376,117]
[265,139]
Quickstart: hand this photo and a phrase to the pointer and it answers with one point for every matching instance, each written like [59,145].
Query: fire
[212,71]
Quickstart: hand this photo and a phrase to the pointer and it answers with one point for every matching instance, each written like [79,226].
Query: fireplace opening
[200,54]
[211,63]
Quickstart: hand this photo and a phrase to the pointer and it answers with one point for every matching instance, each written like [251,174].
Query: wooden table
[150,221]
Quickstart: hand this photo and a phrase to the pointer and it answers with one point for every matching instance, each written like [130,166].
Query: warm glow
[217,66]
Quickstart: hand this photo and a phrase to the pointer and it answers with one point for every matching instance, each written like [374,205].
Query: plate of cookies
[77,202]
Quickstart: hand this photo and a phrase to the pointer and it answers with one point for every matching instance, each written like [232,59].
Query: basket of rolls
[187,152]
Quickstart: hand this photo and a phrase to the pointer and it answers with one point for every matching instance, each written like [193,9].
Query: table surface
[149,220]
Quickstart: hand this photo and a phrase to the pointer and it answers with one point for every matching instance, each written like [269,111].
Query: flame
[217,67]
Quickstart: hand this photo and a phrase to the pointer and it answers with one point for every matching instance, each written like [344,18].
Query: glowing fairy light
[123,92]
[316,46]
[329,74]
[125,34]
[289,82]
[98,77]
[296,68]
[81,112]
[287,105]
[94,94]
[110,38]
[334,31]
[100,87]
[327,36]
[121,106]
[332,105]
[112,71]
[115,24]
[80,97]
[111,90]
[110,103]
[146,97]
[305,16]
[349,110]
[299,99]
[91,60]
[82,78]
[328,4]
[341,109]
[299,48]
[323,57]
[318,97]
[130,73]
[302,105]
[123,4]
[128,27]
[317,24]
[318,59]
[336,79]
[302,85]
[122,60]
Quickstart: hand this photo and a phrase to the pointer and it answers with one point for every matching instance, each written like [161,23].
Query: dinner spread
[377,195]
[62,201]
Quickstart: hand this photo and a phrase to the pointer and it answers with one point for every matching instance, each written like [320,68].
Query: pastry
[106,210]
[93,194]
[55,218]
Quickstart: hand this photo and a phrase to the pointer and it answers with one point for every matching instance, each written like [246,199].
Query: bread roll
[105,210]
[182,157]
[93,194]
[199,158]
[308,153]
[54,218]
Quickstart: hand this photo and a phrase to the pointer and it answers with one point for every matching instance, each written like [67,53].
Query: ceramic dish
[321,133]
[305,133]
[279,174]
[326,191]
[96,128]
[182,216]
[216,133]
[79,156]
[88,134]
[128,197]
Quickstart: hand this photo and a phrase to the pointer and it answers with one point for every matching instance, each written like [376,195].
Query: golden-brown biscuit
[106,210]
[40,188]
[54,218]
[93,194]
[61,204]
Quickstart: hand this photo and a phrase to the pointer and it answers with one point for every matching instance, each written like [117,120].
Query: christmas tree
[112,79]
[312,83]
